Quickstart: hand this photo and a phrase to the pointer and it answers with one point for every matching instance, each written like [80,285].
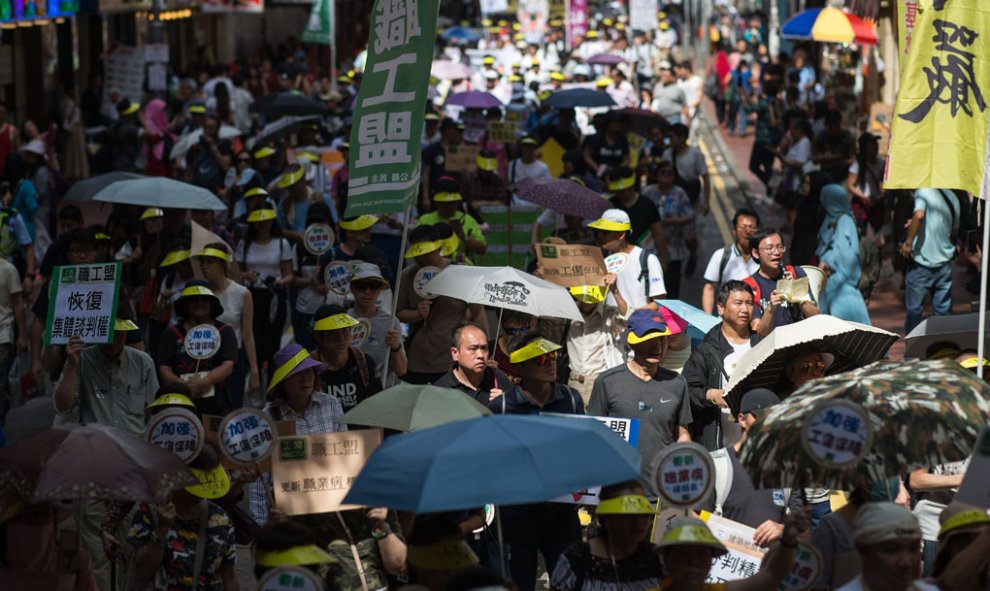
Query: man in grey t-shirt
[641,389]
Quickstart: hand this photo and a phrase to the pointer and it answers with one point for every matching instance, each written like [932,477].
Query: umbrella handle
[501,545]
[264,484]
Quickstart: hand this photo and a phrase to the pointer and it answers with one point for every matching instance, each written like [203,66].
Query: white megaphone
[816,280]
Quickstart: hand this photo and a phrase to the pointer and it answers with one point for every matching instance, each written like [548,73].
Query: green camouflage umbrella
[409,407]
[922,413]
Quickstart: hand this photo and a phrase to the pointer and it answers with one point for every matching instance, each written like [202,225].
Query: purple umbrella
[445,70]
[606,59]
[563,196]
[474,99]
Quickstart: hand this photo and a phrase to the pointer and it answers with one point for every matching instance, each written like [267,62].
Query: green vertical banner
[384,163]
[319,29]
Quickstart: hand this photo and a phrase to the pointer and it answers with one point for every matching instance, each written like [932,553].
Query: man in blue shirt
[931,247]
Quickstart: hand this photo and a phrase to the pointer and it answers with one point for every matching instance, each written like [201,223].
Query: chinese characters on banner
[572,265]
[388,117]
[744,557]
[83,302]
[838,434]
[577,20]
[907,15]
[939,133]
[313,474]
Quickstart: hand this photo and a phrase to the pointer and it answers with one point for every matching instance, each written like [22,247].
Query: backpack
[644,270]
[726,255]
[755,286]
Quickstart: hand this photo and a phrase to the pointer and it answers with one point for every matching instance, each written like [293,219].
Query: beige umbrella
[852,344]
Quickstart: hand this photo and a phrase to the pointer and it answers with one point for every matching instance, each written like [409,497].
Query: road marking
[721,213]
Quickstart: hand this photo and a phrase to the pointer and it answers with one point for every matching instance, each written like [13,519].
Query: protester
[930,247]
[640,282]
[349,374]
[13,330]
[809,216]
[437,552]
[641,389]
[864,183]
[447,203]
[36,554]
[771,306]
[594,343]
[838,255]
[384,340]
[676,214]
[646,225]
[887,537]
[470,372]
[733,261]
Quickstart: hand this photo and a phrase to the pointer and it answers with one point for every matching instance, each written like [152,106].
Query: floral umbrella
[922,413]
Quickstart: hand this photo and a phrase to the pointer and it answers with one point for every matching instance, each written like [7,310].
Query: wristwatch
[382,531]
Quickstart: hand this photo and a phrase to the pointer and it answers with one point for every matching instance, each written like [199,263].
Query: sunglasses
[365,285]
[515,331]
[546,358]
[810,366]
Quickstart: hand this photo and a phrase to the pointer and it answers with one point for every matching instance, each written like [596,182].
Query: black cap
[756,400]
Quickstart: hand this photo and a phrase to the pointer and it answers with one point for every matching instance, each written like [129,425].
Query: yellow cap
[447,197]
[171,400]
[516,27]
[962,519]
[297,556]
[123,325]
[287,179]
[515,78]
[175,257]
[603,82]
[556,22]
[972,362]
[664,26]
[607,22]
[528,140]
[632,339]
[489,164]
[558,76]
[503,23]
[453,554]
[132,108]
[213,252]
[588,294]
[534,62]
[691,531]
[623,183]
[661,15]
[486,22]
[101,236]
[283,370]
[335,322]
[307,156]
[533,349]
[592,34]
[264,152]
[362,222]
[151,213]
[620,26]
[544,95]
[609,225]
[421,248]
[213,484]
[625,505]
[253,191]
[518,37]
[197,291]
[197,109]
[488,60]
[262,215]
[343,79]
[450,245]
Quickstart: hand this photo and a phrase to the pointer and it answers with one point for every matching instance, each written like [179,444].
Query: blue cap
[646,324]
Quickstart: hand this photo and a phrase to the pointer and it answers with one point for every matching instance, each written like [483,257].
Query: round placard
[202,341]
[359,333]
[423,276]
[837,434]
[318,239]
[684,474]
[616,262]
[489,518]
[246,436]
[177,430]
[338,277]
[804,572]
[290,578]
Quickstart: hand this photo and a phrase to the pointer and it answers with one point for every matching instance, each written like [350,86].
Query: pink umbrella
[563,196]
[606,59]
[446,70]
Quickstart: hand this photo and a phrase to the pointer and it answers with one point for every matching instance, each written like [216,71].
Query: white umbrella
[959,329]
[186,142]
[160,192]
[505,288]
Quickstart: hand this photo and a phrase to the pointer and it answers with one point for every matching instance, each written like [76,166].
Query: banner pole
[398,278]
[981,336]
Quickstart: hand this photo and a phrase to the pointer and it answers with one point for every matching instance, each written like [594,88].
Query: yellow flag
[939,132]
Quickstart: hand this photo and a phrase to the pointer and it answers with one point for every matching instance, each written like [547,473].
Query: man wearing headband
[640,282]
[641,389]
[647,228]
[711,364]
[107,385]
[887,538]
[526,166]
[428,350]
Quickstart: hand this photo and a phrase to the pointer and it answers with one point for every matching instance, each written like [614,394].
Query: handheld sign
[837,434]
[246,436]
[805,571]
[360,332]
[177,430]
[616,262]
[571,265]
[202,342]
[744,557]
[684,474]
[290,578]
[83,302]
[318,239]
[338,277]
[423,276]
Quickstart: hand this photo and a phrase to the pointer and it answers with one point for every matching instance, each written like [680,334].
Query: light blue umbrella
[699,321]
[160,192]
[461,35]
[502,460]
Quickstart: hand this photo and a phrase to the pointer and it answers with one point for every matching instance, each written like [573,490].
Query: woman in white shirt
[238,313]
[794,161]
[266,262]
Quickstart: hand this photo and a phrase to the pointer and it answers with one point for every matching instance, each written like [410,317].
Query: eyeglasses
[546,358]
[365,285]
[812,366]
[779,248]
[515,331]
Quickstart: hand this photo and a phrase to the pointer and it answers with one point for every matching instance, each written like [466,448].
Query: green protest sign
[82,300]
[384,164]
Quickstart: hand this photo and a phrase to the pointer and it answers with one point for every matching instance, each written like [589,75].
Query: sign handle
[264,484]
[398,279]
[656,517]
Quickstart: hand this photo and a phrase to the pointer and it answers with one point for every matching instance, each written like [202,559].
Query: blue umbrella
[461,35]
[699,321]
[579,97]
[532,459]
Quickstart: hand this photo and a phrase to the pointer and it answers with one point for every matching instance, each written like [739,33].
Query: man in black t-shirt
[643,213]
[351,375]
[772,309]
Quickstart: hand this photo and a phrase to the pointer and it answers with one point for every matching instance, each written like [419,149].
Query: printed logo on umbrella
[511,292]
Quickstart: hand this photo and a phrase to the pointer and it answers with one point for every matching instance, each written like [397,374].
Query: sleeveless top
[232,300]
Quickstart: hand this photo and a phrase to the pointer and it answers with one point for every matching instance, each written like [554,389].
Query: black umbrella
[281,128]
[85,189]
[579,97]
[288,103]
